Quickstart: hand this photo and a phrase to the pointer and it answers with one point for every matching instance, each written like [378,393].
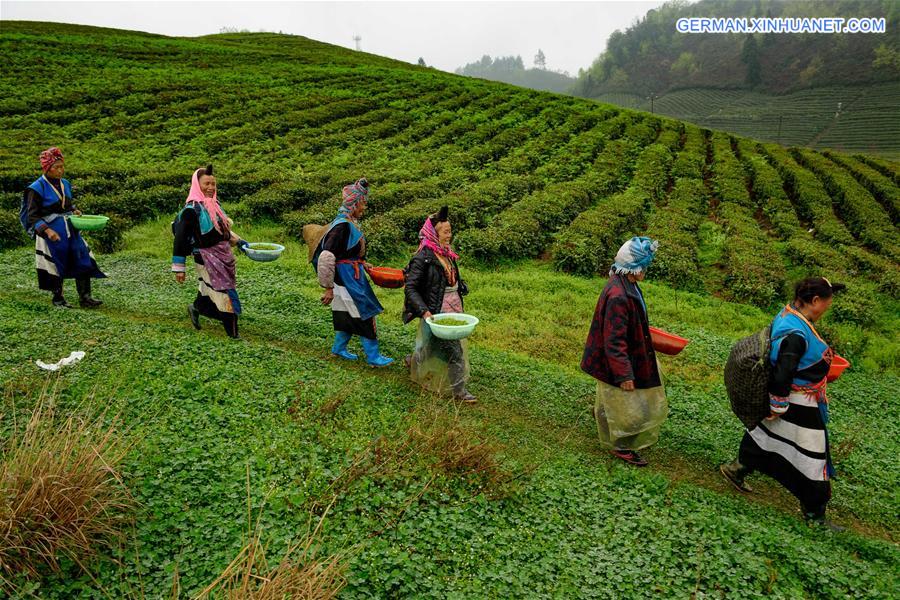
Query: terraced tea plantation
[542,190]
[846,118]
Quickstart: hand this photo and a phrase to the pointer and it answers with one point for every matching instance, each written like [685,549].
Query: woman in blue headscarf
[340,265]
[631,402]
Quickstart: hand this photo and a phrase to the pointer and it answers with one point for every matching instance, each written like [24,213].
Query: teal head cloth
[635,256]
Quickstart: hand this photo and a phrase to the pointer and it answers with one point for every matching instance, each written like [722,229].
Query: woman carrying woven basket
[631,402]
[433,286]
[791,444]
[340,263]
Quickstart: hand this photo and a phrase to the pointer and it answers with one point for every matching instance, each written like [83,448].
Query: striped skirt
[793,449]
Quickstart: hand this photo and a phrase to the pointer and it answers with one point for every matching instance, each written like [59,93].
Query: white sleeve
[325,271]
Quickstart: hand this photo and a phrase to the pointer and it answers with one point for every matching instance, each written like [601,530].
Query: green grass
[203,410]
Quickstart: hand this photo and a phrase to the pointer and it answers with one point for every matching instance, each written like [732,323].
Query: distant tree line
[511,69]
[651,57]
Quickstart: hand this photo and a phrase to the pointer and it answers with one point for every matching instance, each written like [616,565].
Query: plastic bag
[71,359]
[629,420]
[439,366]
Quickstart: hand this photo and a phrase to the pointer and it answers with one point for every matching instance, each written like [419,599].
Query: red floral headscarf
[50,156]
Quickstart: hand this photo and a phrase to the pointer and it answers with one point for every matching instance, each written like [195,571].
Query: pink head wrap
[429,239]
[50,156]
[213,209]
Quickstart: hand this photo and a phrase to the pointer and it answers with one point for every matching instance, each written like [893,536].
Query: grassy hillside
[289,121]
[204,412]
[511,498]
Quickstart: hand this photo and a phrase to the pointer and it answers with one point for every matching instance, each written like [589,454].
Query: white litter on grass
[69,360]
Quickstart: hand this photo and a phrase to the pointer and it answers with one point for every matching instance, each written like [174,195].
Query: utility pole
[358,38]
[779,127]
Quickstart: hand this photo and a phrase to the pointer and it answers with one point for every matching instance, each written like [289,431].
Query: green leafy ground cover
[204,410]
[287,121]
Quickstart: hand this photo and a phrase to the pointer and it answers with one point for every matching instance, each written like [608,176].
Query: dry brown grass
[61,495]
[303,408]
[451,448]
[300,573]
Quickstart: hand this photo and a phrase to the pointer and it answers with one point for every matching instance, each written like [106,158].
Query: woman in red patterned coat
[631,402]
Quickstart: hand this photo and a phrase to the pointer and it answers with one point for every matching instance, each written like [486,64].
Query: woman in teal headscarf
[340,264]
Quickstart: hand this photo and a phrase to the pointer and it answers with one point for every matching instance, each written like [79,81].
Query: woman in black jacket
[433,286]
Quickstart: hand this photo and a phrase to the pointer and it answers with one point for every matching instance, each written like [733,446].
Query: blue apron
[360,289]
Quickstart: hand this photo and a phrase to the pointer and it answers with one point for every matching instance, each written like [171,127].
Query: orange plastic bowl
[838,364]
[667,343]
[387,277]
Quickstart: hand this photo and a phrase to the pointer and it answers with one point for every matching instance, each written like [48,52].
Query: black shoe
[734,472]
[467,397]
[88,302]
[194,314]
[631,457]
[821,521]
[84,294]
[231,330]
[59,301]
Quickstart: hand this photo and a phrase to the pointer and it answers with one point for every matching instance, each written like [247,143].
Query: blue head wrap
[635,256]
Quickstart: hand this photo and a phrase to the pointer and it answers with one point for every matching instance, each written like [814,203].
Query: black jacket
[188,236]
[425,284]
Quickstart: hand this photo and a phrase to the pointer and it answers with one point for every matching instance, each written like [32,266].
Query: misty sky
[446,34]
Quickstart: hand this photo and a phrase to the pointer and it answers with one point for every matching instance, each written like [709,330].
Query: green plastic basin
[88,222]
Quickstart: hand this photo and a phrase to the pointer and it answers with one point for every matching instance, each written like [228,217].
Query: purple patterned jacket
[618,346]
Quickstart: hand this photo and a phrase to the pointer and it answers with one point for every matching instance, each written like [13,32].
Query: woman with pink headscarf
[60,251]
[203,230]
[433,286]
